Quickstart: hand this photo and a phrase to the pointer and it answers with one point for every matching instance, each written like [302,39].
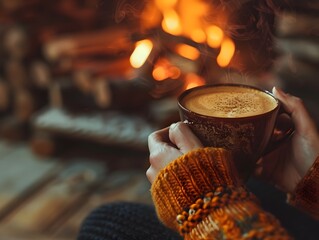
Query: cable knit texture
[306,194]
[184,180]
[201,196]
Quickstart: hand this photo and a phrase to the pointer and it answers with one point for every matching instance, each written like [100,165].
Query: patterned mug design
[235,137]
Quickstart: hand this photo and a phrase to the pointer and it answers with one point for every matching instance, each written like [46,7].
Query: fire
[171,22]
[198,35]
[141,52]
[193,80]
[187,51]
[227,51]
[214,36]
[163,69]
[194,29]
[165,4]
[193,14]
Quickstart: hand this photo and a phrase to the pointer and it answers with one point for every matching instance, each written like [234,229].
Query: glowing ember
[198,35]
[193,15]
[187,51]
[226,52]
[165,4]
[171,23]
[214,36]
[193,80]
[140,54]
[163,69]
[195,29]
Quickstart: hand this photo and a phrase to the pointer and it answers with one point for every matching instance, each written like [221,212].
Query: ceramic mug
[240,118]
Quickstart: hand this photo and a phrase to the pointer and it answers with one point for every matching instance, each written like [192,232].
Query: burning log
[110,42]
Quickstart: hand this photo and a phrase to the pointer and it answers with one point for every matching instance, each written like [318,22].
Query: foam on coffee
[229,101]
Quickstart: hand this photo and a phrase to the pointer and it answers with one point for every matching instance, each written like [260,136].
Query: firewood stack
[70,60]
[33,60]
[25,74]
[297,43]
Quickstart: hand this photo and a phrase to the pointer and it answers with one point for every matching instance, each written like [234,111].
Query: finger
[182,136]
[151,174]
[158,138]
[258,171]
[299,114]
[163,155]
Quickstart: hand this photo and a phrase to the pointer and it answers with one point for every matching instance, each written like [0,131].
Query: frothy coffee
[229,101]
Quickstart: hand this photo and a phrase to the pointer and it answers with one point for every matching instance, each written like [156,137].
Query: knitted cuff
[306,195]
[190,177]
[228,213]
[200,196]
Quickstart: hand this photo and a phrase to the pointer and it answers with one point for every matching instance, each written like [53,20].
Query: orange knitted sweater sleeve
[306,195]
[200,196]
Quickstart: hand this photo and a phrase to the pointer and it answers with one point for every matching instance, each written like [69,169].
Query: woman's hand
[167,145]
[287,165]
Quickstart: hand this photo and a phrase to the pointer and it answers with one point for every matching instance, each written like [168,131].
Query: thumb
[295,107]
[183,138]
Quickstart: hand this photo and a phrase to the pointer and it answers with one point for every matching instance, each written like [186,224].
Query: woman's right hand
[168,144]
[287,165]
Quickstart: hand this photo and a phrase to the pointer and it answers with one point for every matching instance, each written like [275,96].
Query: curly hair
[251,23]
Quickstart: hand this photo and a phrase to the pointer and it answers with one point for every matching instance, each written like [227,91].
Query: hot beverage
[229,102]
[242,119]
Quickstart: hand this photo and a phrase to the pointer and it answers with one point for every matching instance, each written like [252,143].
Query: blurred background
[84,82]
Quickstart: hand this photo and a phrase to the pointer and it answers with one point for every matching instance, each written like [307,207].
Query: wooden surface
[48,198]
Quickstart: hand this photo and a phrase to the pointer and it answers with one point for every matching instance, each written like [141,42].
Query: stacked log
[32,56]
[21,96]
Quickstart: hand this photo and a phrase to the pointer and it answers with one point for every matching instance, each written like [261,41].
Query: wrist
[188,178]
[228,213]
[200,196]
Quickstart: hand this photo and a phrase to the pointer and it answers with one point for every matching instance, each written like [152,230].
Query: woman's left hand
[168,144]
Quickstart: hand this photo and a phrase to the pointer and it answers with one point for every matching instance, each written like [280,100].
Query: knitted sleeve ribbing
[201,196]
[306,195]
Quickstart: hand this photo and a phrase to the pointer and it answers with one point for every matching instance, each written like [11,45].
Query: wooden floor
[48,198]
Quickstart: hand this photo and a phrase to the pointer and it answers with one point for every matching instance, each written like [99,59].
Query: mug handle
[284,129]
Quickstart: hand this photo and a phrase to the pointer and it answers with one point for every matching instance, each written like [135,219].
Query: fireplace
[130,58]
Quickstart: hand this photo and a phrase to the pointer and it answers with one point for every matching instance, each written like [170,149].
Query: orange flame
[214,36]
[192,19]
[163,69]
[187,51]
[171,22]
[193,80]
[141,52]
[227,51]
[198,35]
[165,4]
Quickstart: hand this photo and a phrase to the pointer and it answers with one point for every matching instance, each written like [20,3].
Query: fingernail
[172,125]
